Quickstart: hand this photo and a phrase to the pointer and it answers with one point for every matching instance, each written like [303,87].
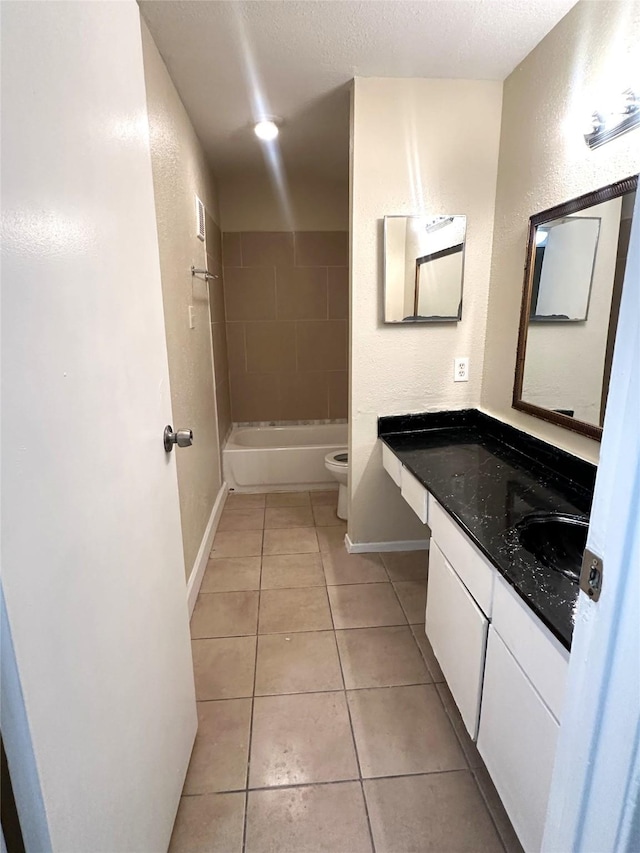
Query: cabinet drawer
[391,464]
[457,630]
[517,740]
[544,660]
[473,568]
[415,495]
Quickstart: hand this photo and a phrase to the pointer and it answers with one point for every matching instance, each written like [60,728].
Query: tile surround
[287,305]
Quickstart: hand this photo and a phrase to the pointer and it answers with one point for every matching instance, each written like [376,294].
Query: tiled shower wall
[286,298]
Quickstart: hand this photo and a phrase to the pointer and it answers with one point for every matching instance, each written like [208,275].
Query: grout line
[253,702]
[489,809]
[353,736]
[331,782]
[303,631]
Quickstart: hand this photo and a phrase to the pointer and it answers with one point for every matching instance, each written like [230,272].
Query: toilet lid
[342,457]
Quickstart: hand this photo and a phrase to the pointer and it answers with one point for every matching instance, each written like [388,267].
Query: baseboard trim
[369,547]
[200,564]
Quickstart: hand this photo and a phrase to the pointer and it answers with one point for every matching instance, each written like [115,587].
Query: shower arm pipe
[203,272]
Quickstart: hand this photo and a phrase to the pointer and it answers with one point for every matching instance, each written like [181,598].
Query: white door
[98,707]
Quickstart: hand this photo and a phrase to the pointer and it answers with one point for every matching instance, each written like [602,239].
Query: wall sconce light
[607,125]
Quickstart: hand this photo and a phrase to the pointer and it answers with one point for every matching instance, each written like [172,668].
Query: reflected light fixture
[266,130]
[437,223]
[623,115]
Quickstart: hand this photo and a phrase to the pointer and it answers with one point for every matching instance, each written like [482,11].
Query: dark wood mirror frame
[620,188]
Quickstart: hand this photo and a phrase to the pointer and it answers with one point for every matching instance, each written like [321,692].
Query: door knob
[181,437]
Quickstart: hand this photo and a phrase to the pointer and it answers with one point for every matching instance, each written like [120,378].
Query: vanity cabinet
[506,671]
[517,741]
[457,630]
[522,698]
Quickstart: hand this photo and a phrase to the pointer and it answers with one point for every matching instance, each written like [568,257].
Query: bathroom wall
[179,173]
[286,299]
[213,249]
[591,55]
[304,203]
[417,147]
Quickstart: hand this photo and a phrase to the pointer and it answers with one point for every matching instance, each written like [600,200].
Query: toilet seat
[339,458]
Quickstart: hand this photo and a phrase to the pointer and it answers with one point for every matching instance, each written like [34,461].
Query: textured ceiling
[233,61]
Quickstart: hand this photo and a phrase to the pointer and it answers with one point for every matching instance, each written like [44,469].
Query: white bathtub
[285,458]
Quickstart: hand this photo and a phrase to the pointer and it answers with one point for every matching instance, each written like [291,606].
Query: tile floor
[324,720]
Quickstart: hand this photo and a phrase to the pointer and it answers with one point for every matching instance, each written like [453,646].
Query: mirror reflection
[563,270]
[423,268]
[575,273]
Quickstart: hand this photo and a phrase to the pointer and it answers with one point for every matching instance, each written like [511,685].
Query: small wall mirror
[576,260]
[423,268]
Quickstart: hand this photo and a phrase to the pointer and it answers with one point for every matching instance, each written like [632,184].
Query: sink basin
[556,540]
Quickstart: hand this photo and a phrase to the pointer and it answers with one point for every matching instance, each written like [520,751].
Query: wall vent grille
[200,230]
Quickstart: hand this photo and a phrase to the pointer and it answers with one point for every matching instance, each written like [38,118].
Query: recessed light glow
[266,130]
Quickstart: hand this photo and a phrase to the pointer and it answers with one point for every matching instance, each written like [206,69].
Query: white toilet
[338,463]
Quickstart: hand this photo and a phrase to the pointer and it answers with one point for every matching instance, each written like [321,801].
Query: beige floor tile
[283,610]
[380,657]
[497,810]
[288,516]
[438,813]
[224,668]
[413,598]
[230,574]
[309,819]
[325,515]
[328,497]
[301,739]
[365,605]
[241,519]
[224,614]
[341,567]
[209,823]
[219,757]
[427,652]
[236,500]
[295,540]
[468,746]
[288,499]
[402,730]
[298,663]
[331,537]
[284,571]
[237,543]
[406,565]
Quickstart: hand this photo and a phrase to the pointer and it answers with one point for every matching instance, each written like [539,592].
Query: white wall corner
[200,564]
[372,547]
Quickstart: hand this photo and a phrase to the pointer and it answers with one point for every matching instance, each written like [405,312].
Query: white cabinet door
[457,629]
[517,740]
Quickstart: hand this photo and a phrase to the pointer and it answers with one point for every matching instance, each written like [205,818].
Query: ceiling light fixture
[266,130]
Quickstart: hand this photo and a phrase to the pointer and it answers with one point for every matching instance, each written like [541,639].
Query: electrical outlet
[192,317]
[461,369]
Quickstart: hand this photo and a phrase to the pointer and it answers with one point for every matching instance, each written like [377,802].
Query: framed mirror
[423,268]
[576,261]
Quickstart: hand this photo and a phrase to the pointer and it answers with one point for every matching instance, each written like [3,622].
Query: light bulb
[266,130]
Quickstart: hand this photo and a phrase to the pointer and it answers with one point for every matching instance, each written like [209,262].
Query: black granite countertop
[488,476]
